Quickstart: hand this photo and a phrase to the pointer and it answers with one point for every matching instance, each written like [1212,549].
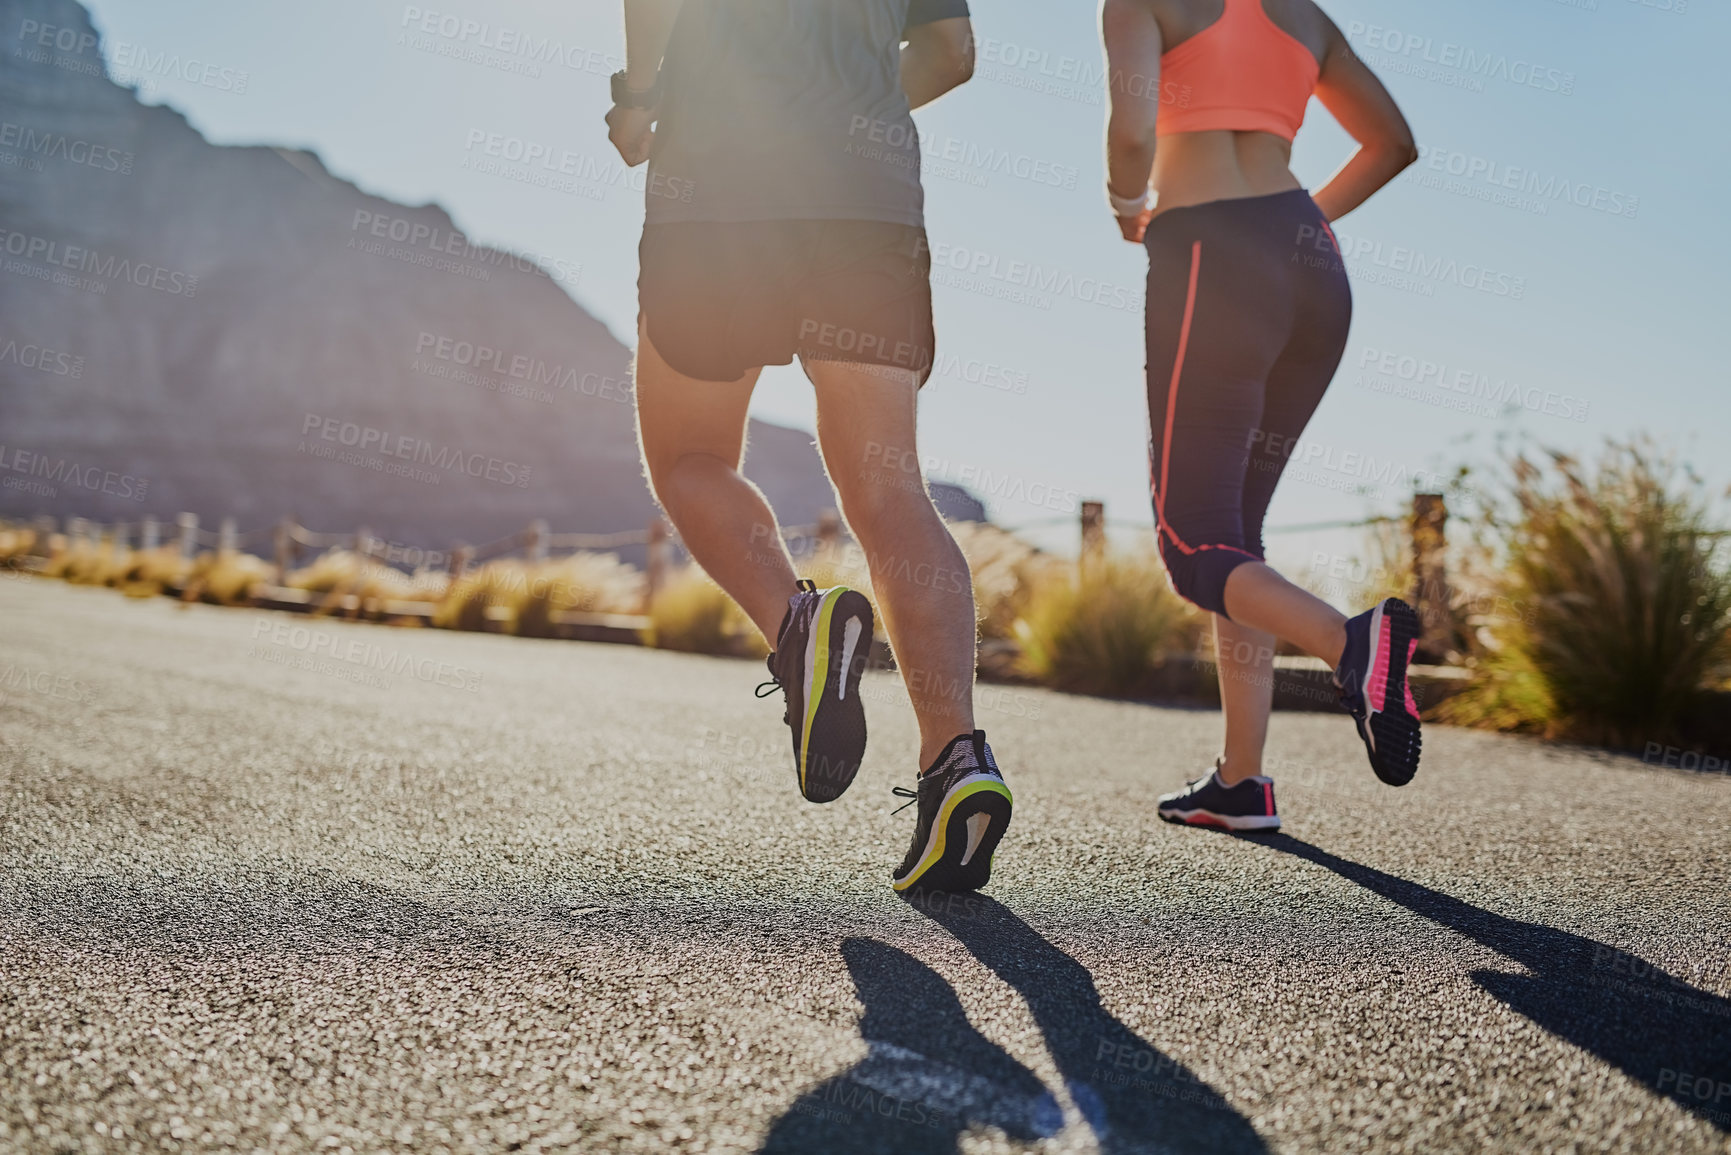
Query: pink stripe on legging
[1172,411]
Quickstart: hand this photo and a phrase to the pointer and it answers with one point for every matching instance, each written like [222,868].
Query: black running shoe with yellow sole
[964,809]
[820,653]
[1372,679]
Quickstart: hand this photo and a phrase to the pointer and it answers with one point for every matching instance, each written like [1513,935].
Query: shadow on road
[928,1076]
[1132,1095]
[1671,1037]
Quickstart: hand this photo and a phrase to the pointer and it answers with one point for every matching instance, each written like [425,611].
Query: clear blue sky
[1604,309]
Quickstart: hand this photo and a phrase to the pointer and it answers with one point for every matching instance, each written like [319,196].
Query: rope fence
[535,543]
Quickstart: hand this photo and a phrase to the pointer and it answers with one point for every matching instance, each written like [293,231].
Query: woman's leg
[1244,659]
[1250,357]
[1259,599]
[1255,595]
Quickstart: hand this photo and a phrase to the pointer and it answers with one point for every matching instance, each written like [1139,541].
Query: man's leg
[692,435]
[865,426]
[1245,660]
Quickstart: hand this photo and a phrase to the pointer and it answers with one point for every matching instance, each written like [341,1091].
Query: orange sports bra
[1242,73]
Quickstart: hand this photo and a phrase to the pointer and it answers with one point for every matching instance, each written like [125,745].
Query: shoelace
[912,797]
[807,612]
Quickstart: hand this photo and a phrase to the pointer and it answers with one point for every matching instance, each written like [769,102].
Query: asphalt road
[369,889]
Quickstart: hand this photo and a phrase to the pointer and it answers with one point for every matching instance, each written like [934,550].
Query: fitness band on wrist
[1127,206]
[624,96]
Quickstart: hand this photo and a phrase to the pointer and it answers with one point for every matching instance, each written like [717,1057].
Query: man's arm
[937,57]
[648,28]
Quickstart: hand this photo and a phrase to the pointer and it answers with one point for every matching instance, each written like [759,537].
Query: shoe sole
[1392,736]
[1221,821]
[833,731]
[970,824]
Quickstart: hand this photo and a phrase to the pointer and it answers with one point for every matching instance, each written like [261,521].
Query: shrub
[227,578]
[87,563]
[1107,630]
[692,614]
[340,572]
[530,593]
[585,583]
[149,572]
[466,601]
[16,542]
[1620,605]
[1007,571]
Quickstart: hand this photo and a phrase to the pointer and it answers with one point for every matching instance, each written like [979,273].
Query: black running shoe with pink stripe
[1373,688]
[1207,801]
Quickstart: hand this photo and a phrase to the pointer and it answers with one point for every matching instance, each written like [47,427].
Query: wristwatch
[624,96]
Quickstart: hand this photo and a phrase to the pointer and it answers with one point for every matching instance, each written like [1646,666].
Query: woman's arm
[1133,47]
[1358,100]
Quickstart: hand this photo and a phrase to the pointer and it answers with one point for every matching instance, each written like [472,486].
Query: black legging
[1248,308]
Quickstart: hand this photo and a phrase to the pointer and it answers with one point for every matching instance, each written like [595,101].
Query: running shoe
[964,809]
[1374,690]
[1207,801]
[820,653]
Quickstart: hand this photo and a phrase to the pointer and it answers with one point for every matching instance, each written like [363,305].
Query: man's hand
[632,131]
[1134,227]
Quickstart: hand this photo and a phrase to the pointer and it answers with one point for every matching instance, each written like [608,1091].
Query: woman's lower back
[1194,168]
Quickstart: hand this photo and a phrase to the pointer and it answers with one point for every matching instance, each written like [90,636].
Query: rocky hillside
[235,331]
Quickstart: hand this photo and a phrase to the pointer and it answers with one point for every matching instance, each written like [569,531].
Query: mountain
[235,331]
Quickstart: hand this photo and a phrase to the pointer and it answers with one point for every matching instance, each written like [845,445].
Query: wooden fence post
[149,535]
[119,537]
[44,526]
[186,526]
[1431,597]
[228,536]
[535,541]
[655,565]
[1093,534]
[282,547]
[460,555]
[828,537]
[364,542]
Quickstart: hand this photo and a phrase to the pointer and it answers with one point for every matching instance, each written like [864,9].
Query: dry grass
[1620,602]
[1007,571]
[227,578]
[16,543]
[583,583]
[1382,569]
[466,602]
[149,572]
[339,573]
[88,563]
[530,593]
[1106,630]
[692,614]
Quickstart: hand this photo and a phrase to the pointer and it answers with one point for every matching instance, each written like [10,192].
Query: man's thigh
[866,416]
[679,415]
